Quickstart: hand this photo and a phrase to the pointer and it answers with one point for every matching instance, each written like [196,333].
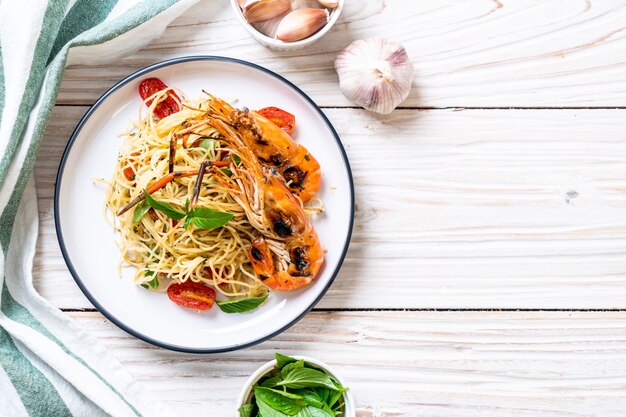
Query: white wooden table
[487,271]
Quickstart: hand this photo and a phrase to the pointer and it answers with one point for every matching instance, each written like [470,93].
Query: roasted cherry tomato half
[192,295]
[168,106]
[285,120]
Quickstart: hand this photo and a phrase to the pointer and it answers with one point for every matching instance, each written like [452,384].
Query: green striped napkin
[48,366]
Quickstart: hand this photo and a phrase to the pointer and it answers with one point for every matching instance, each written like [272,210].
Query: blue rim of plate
[61,169]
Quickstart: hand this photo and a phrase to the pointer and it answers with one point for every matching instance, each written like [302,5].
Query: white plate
[88,241]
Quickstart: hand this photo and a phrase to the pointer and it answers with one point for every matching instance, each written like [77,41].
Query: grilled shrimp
[296,267]
[274,148]
[289,255]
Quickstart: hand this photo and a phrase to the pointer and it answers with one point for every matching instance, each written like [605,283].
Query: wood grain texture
[408,364]
[455,209]
[466,53]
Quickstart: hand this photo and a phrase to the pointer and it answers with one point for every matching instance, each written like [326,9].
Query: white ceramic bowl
[244,396]
[287,46]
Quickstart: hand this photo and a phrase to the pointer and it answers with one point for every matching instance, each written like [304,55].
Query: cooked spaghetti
[154,245]
[194,201]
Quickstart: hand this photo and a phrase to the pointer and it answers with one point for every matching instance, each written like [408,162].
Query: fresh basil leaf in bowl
[295,387]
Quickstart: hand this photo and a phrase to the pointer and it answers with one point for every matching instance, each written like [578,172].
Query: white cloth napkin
[48,365]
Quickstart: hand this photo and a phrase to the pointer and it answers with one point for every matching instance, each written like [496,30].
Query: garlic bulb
[301,23]
[260,10]
[375,73]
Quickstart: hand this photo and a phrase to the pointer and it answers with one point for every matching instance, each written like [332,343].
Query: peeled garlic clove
[269,27]
[260,10]
[301,23]
[375,73]
[331,4]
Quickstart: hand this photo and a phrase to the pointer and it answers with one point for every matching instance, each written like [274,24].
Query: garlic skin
[375,73]
[260,10]
[331,4]
[305,4]
[301,23]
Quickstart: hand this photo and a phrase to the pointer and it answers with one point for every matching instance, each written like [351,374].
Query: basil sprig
[295,388]
[163,207]
[201,217]
[242,305]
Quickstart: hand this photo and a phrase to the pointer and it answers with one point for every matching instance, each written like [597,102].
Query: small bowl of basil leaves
[297,386]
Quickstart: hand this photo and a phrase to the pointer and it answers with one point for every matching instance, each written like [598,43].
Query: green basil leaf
[206,218]
[153,283]
[304,413]
[291,366]
[284,402]
[282,360]
[271,382]
[318,412]
[203,212]
[140,210]
[266,410]
[310,397]
[286,394]
[323,392]
[336,382]
[187,222]
[334,396]
[305,378]
[204,223]
[242,305]
[164,208]
[246,410]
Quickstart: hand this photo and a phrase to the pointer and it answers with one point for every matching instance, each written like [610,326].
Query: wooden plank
[455,209]
[466,53]
[407,364]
